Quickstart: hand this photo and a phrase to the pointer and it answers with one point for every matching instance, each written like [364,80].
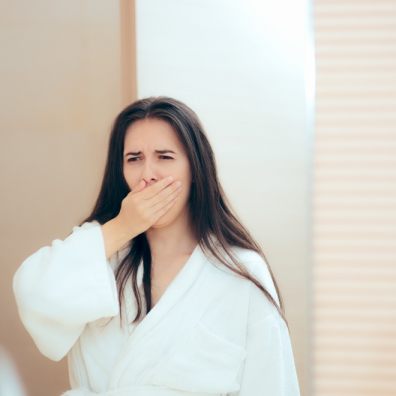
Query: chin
[168,218]
[160,224]
[164,221]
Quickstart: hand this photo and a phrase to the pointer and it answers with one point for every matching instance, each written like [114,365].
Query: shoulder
[258,267]
[241,296]
[254,263]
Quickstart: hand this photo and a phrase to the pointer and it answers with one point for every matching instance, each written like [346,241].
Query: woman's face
[153,151]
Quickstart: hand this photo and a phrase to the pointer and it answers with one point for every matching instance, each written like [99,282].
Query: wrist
[121,231]
[115,236]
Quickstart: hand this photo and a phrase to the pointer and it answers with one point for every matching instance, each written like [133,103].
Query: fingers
[165,196]
[140,186]
[155,188]
[164,207]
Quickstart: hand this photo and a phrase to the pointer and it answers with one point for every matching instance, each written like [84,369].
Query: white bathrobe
[211,333]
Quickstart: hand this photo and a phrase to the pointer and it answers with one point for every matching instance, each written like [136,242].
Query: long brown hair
[209,208]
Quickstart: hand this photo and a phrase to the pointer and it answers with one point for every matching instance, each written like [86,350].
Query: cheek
[183,196]
[186,182]
[129,177]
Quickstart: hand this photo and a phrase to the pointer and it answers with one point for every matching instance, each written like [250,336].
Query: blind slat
[354,204]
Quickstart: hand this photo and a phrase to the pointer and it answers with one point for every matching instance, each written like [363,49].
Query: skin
[170,238]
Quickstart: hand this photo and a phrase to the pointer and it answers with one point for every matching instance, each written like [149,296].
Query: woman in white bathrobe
[161,291]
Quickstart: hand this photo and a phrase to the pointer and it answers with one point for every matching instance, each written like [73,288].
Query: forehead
[151,132]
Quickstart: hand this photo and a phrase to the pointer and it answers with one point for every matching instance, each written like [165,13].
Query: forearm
[115,236]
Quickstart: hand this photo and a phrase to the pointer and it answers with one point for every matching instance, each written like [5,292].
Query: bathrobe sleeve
[269,366]
[61,287]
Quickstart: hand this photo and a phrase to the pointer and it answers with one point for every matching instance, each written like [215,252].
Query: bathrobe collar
[174,293]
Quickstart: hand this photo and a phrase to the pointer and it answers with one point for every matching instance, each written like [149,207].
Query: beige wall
[67,68]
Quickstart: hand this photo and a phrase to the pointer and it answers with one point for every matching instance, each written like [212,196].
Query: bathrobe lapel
[150,325]
[180,285]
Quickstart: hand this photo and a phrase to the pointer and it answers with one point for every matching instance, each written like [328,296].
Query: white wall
[246,68]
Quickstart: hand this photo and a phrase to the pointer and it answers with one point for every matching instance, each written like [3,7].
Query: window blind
[354,202]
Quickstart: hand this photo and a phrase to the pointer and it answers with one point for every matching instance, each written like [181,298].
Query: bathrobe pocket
[201,361]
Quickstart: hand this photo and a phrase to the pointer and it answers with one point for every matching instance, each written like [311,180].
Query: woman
[161,290]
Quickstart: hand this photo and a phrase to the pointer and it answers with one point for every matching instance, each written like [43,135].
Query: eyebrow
[157,151]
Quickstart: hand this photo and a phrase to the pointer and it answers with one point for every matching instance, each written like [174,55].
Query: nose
[149,174]
[148,182]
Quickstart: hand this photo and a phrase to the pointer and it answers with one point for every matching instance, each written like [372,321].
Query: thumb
[140,186]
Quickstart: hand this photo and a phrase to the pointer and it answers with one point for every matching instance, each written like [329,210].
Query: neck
[172,240]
